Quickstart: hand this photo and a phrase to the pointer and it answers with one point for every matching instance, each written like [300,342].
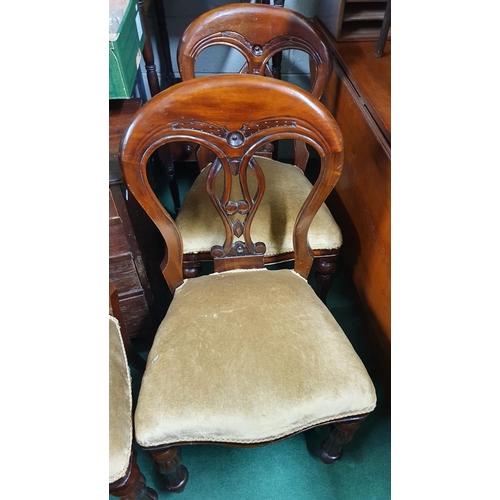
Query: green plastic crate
[125,53]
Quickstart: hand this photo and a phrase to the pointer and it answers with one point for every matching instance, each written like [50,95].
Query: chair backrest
[231,115]
[259,32]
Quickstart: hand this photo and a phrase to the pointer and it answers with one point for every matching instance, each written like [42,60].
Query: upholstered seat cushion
[247,357]
[120,405]
[286,190]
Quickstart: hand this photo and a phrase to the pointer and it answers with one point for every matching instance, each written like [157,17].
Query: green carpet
[291,469]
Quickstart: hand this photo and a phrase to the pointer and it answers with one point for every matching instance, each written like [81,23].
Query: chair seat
[120,405]
[286,189]
[231,364]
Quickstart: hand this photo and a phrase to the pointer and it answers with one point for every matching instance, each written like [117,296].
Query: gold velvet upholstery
[120,405]
[286,189]
[247,357]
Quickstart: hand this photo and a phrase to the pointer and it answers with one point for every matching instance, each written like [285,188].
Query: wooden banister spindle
[148,55]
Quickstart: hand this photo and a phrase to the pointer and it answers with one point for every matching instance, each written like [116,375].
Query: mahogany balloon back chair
[259,33]
[245,355]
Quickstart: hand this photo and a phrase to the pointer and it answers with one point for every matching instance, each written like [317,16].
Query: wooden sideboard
[358,96]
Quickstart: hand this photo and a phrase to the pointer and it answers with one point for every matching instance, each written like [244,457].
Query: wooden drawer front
[136,315]
[118,243]
[123,274]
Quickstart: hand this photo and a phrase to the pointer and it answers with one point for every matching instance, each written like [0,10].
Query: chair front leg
[341,433]
[133,485]
[168,463]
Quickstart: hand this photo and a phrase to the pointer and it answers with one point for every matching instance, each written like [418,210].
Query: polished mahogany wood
[233,115]
[260,112]
[260,33]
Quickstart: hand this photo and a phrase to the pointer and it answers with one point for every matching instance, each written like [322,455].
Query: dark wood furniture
[260,33]
[359,96]
[127,270]
[233,115]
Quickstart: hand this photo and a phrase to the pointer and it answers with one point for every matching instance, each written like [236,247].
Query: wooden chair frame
[253,122]
[260,33]
[233,115]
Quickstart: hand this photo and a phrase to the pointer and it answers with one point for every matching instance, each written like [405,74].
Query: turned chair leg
[325,267]
[341,433]
[133,485]
[168,463]
[190,269]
